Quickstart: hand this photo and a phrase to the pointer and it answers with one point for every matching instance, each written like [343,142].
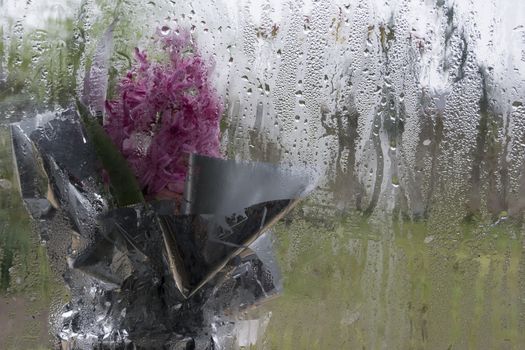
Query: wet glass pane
[408,117]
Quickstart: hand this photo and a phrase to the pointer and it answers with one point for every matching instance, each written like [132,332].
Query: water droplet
[395,181]
[5,184]
[165,30]
[428,239]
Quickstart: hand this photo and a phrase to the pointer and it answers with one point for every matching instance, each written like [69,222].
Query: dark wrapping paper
[163,274]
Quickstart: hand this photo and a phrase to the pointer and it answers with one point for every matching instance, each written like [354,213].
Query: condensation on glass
[413,114]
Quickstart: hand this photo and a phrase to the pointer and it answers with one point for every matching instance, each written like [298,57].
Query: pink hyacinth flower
[164,111]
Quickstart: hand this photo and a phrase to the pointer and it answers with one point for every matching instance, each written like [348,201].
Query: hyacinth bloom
[164,111]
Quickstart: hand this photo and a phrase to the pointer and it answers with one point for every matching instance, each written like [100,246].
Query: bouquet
[168,240]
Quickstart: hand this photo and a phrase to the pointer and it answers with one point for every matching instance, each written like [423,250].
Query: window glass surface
[411,113]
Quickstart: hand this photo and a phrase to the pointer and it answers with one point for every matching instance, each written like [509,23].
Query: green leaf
[223,124]
[124,185]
